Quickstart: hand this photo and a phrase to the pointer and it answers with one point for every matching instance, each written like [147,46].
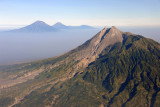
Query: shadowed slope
[129,71]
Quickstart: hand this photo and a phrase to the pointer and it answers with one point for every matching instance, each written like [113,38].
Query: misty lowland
[67,53]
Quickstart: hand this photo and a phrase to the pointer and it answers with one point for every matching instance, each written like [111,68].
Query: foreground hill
[113,68]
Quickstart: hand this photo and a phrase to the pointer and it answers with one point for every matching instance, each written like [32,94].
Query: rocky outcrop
[91,49]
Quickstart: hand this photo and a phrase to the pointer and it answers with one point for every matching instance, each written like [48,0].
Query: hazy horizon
[135,16]
[24,47]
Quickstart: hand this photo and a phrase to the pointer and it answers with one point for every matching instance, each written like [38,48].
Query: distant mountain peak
[37,26]
[39,23]
[59,25]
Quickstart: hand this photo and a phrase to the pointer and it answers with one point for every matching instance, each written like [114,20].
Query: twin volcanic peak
[40,26]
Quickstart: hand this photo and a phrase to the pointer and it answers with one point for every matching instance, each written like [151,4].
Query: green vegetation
[125,74]
[129,72]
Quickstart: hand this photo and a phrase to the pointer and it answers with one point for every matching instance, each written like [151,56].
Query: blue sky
[78,12]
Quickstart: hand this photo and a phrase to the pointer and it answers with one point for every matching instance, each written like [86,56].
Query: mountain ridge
[60,25]
[40,26]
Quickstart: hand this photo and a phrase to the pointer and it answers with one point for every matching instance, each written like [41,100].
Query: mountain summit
[38,26]
[112,69]
[91,49]
[59,25]
[39,23]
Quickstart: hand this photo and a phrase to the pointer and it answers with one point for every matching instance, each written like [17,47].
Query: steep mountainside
[113,68]
[129,71]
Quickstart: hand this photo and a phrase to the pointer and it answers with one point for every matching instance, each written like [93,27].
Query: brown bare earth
[11,82]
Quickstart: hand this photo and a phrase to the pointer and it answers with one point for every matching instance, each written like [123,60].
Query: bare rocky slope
[113,68]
